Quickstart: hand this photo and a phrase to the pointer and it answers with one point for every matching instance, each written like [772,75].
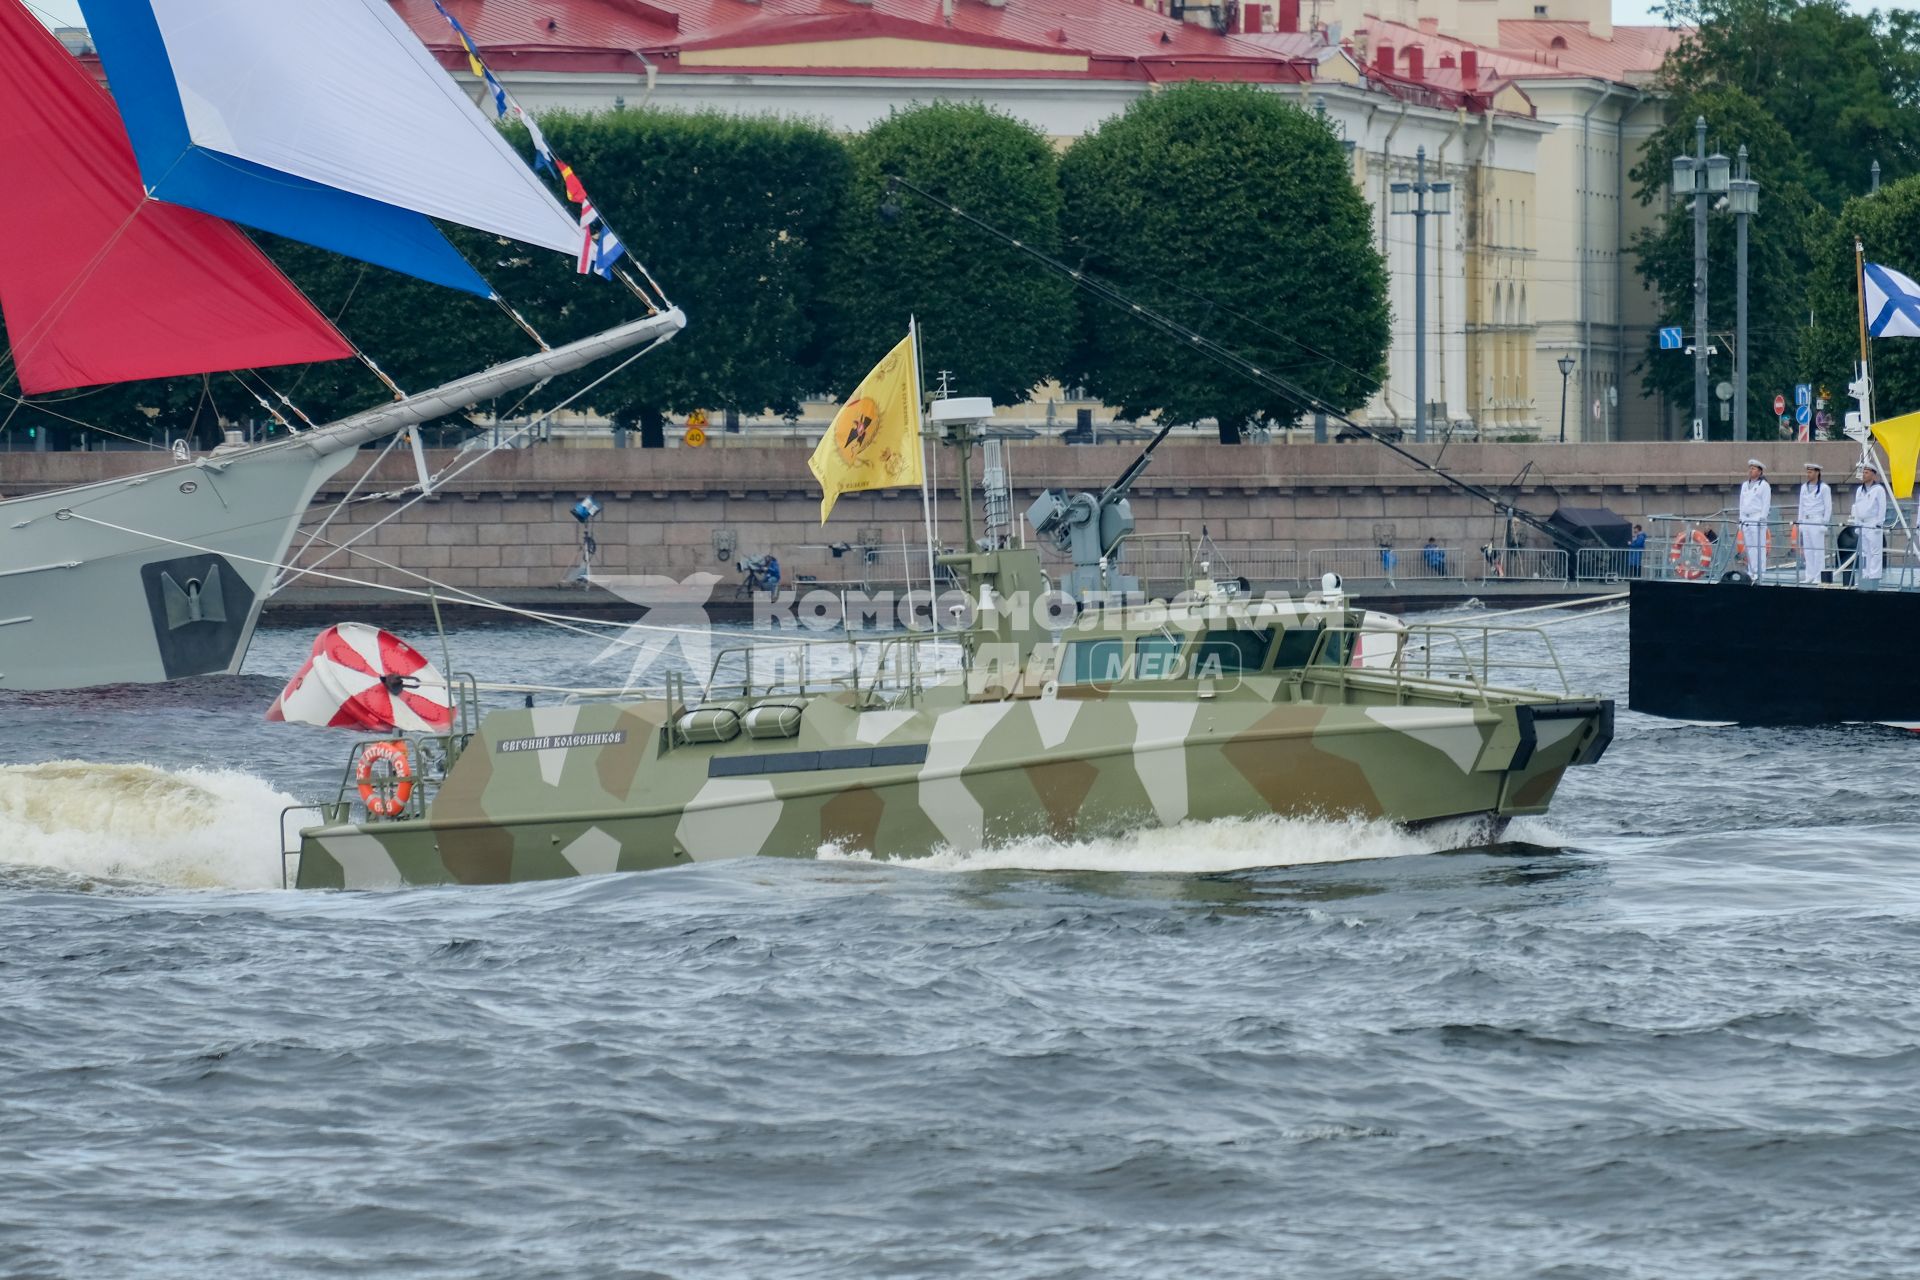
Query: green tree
[996,319]
[727,212]
[1843,84]
[1234,212]
[1777,240]
[1888,227]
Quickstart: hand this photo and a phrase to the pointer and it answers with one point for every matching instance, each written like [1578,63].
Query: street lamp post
[1566,371]
[1743,195]
[1701,176]
[1442,192]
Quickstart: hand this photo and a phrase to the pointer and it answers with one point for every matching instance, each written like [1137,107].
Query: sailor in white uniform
[1870,514]
[1756,505]
[1816,512]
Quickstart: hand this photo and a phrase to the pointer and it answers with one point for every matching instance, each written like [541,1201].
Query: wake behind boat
[127,268]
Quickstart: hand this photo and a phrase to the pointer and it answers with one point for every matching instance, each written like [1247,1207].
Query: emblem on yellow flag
[874,441]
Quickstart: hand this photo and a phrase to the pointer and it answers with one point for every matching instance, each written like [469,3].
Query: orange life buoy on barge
[1684,565]
[1740,543]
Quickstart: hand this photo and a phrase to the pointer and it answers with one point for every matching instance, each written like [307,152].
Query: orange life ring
[388,794]
[1683,566]
[1740,542]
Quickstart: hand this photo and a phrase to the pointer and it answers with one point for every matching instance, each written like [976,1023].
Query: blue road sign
[1803,394]
[1803,414]
[1671,338]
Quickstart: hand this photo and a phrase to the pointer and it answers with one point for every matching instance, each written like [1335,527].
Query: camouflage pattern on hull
[602,787]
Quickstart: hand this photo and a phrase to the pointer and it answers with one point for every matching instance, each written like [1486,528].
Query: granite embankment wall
[503,525]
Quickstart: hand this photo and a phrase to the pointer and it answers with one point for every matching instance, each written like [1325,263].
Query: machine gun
[1088,528]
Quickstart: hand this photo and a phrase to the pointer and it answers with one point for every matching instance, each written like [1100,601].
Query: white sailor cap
[1755,462]
[1814,466]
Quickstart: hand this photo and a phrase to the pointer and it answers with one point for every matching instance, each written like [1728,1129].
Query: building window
[1539,11]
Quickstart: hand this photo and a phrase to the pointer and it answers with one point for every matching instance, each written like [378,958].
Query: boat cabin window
[1338,651]
[1093,662]
[1231,652]
[1157,657]
[1296,646]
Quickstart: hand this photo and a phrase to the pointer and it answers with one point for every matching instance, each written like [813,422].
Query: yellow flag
[1900,437]
[874,442]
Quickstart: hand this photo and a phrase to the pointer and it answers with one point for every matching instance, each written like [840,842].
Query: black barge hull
[1772,654]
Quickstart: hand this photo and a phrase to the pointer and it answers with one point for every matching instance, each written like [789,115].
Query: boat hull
[153,577]
[903,783]
[1763,655]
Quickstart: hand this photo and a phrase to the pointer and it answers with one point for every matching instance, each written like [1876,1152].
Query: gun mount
[1087,528]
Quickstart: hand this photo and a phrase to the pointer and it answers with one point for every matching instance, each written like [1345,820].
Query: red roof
[1119,39]
[1632,52]
[1527,50]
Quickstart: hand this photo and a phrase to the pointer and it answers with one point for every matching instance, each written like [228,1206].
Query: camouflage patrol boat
[1134,715]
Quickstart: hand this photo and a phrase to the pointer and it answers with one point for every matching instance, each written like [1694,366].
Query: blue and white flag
[600,248]
[1893,303]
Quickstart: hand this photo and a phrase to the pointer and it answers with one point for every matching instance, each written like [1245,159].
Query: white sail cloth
[340,92]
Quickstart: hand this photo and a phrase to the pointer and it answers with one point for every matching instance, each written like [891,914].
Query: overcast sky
[68,11]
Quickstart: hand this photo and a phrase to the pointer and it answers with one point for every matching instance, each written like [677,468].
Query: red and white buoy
[360,677]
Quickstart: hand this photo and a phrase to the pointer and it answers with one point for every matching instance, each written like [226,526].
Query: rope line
[565,622]
[455,470]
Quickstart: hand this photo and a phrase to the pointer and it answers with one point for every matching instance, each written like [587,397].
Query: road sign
[695,437]
[1671,339]
[1803,393]
[1779,406]
[1803,414]
[1724,390]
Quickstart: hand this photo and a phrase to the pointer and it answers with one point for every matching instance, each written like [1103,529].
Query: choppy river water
[1669,1031]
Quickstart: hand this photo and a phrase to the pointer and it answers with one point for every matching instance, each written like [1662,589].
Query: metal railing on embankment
[1167,564]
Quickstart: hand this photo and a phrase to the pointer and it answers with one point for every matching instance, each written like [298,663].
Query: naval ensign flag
[1893,303]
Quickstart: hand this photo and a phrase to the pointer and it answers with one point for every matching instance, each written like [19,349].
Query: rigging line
[338,507]
[285,399]
[193,425]
[65,298]
[20,402]
[219,416]
[519,319]
[653,284]
[1286,337]
[334,320]
[378,372]
[1226,356]
[351,291]
[456,470]
[565,622]
[477,602]
[260,400]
